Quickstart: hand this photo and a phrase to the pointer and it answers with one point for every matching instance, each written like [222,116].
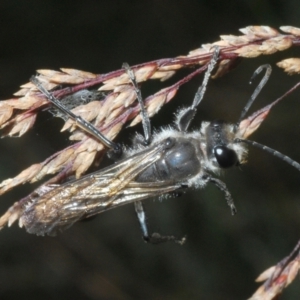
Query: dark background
[106,257]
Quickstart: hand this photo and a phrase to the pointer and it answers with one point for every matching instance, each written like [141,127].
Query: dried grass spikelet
[119,105]
[290,65]
[278,277]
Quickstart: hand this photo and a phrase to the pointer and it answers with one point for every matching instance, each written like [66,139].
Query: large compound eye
[225,157]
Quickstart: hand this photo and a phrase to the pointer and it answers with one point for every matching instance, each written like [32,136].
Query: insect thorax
[191,156]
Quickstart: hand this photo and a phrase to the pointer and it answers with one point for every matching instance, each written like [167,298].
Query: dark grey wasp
[165,162]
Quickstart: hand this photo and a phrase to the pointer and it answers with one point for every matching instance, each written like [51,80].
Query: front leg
[222,186]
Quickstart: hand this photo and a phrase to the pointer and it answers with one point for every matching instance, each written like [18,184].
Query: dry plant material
[278,277]
[118,104]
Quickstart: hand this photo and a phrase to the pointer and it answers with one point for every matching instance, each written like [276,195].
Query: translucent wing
[108,188]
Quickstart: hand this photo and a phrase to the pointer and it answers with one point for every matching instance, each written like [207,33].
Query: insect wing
[111,187]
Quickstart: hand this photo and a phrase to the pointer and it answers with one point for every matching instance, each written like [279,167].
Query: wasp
[165,162]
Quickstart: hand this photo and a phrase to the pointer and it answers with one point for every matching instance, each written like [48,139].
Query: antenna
[276,153]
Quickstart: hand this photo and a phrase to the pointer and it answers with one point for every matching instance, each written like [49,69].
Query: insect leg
[154,238]
[222,186]
[186,115]
[142,218]
[145,117]
[80,122]
[262,83]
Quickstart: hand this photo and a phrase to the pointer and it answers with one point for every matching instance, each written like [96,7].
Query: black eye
[225,157]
